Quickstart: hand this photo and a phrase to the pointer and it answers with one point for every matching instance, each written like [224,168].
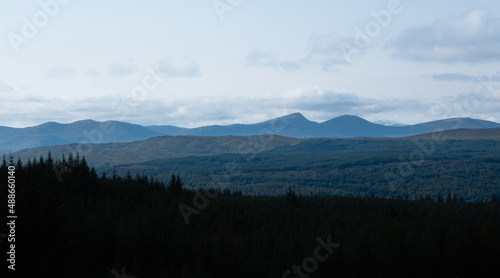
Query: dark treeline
[91,224]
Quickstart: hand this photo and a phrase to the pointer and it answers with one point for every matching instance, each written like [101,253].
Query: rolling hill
[462,134]
[107,154]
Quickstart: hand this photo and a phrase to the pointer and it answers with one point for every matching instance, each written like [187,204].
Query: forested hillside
[93,225]
[268,165]
[382,167]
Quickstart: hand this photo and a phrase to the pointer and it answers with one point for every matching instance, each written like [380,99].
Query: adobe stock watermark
[406,167]
[222,7]
[427,147]
[150,82]
[310,264]
[31,27]
[363,37]
[200,202]
[252,146]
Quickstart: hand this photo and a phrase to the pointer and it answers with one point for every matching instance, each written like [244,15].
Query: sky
[192,63]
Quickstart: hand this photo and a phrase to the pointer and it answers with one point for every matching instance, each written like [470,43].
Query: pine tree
[50,160]
[178,183]
[174,185]
[292,199]
[440,198]
[4,163]
[448,197]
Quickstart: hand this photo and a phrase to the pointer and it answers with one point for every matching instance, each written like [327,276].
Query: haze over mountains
[293,125]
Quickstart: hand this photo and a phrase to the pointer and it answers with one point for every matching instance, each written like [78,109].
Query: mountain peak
[50,124]
[295,117]
[291,118]
[296,114]
[347,119]
[351,117]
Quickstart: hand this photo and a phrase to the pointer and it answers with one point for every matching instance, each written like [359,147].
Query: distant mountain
[353,126]
[293,125]
[347,126]
[86,131]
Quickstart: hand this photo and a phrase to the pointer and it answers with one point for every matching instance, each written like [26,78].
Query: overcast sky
[197,62]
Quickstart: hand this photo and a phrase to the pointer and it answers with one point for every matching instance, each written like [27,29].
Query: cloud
[314,102]
[122,69]
[326,51]
[460,77]
[91,73]
[314,98]
[178,66]
[4,88]
[266,59]
[471,37]
[60,73]
[322,103]
[482,103]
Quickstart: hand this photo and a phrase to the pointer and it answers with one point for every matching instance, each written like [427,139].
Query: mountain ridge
[292,125]
[345,126]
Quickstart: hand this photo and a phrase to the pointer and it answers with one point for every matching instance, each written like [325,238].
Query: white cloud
[60,73]
[314,102]
[482,103]
[91,73]
[322,103]
[317,104]
[122,69]
[325,50]
[178,66]
[470,37]
[266,59]
[4,88]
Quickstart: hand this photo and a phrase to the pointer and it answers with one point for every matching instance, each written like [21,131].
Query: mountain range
[347,126]
[293,125]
